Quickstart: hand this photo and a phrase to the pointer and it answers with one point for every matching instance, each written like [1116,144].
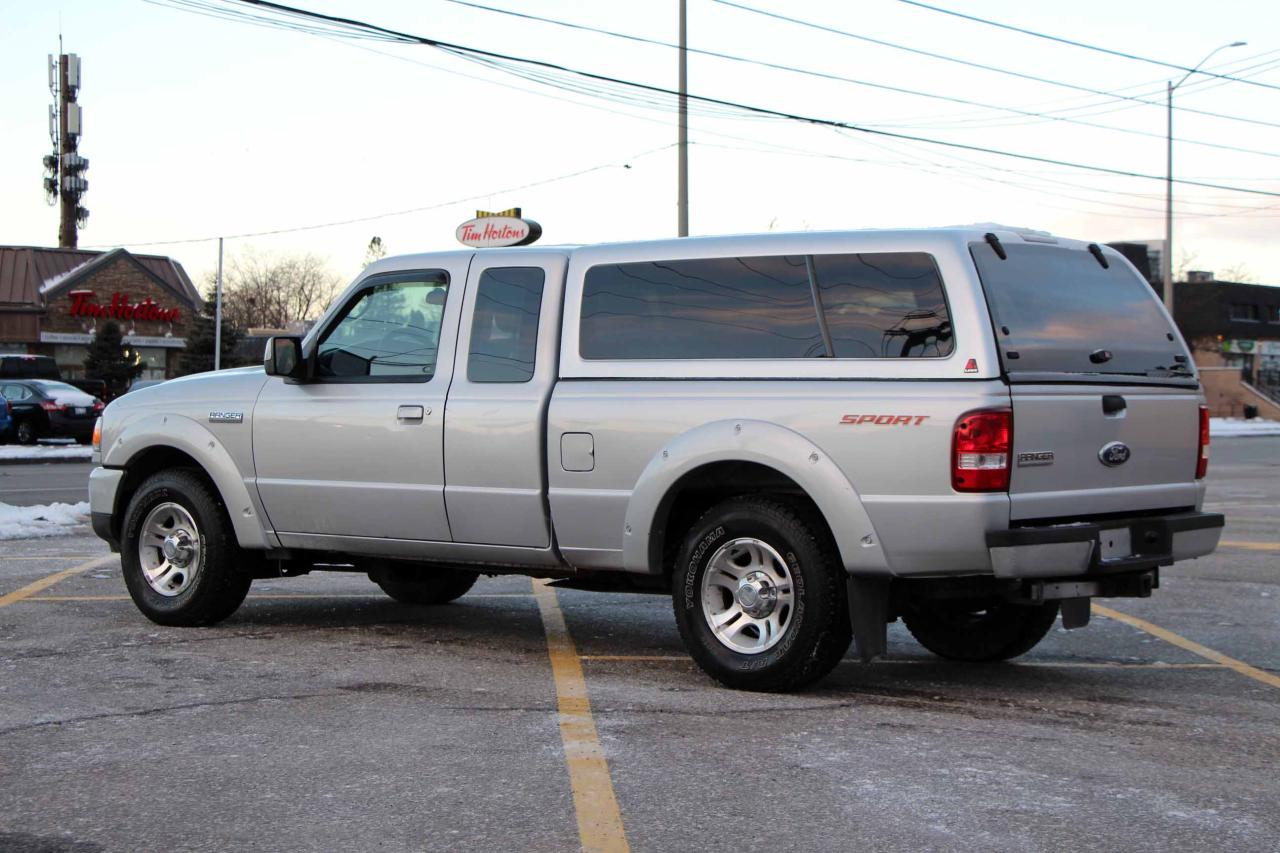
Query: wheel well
[704,487]
[142,466]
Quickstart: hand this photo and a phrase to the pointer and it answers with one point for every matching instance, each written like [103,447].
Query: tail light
[97,435]
[980,449]
[1202,460]
[50,406]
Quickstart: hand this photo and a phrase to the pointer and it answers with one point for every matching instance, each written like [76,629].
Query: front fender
[193,439]
[768,444]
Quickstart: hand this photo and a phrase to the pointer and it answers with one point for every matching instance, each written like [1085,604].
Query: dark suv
[44,408]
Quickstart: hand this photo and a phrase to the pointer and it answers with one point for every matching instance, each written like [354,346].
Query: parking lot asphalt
[324,716]
[30,484]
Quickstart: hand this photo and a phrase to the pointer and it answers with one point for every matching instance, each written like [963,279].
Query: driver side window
[390,331]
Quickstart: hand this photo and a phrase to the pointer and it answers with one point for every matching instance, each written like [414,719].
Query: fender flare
[782,449]
[187,435]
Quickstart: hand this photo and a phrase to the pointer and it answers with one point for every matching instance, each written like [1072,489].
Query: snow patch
[31,522]
[1239,427]
[46,451]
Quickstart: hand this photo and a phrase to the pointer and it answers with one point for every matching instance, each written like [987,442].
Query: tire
[754,536]
[84,439]
[25,432]
[424,586]
[979,632]
[217,581]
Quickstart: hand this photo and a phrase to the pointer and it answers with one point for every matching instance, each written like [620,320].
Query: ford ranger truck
[799,437]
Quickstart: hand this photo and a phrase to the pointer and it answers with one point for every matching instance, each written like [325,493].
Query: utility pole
[65,182]
[682,168]
[217,314]
[1166,256]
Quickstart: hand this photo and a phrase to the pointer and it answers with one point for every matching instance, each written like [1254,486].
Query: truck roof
[730,243]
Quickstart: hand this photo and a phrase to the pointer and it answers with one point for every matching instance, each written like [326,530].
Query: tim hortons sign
[504,228]
[83,304]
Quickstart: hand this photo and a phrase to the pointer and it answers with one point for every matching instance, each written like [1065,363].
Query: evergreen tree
[198,356]
[111,361]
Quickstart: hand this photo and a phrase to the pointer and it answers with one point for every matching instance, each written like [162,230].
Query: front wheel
[179,553]
[979,632]
[759,595]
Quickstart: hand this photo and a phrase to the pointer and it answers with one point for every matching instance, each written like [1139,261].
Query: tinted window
[708,308]
[388,331]
[504,326]
[1053,307]
[884,305]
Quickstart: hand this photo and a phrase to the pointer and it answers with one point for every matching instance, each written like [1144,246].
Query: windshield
[1057,310]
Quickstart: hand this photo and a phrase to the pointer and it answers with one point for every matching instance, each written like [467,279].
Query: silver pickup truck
[799,437]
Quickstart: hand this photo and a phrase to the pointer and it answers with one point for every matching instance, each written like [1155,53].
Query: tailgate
[1070,443]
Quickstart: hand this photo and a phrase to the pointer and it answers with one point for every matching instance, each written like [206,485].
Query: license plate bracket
[1115,544]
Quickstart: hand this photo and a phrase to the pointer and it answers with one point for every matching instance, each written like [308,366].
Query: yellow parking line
[599,819]
[48,581]
[1249,546]
[1190,645]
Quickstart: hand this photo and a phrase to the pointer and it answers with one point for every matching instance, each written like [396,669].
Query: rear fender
[764,443]
[189,436]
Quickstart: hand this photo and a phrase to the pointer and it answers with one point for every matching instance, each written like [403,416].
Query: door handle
[411,413]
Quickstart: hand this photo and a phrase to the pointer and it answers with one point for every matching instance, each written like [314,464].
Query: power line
[994,69]
[625,164]
[851,80]
[497,59]
[1080,44]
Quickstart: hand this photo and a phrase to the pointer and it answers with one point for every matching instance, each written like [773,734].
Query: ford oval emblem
[1113,454]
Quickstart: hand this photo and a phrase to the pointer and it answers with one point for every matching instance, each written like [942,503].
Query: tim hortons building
[52,301]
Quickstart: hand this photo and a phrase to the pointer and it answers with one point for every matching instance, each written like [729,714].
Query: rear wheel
[759,595]
[979,631]
[179,553]
[25,432]
[424,586]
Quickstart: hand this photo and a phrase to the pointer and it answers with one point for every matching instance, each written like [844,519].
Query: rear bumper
[1069,550]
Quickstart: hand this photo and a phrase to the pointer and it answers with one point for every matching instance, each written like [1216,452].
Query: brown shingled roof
[24,270]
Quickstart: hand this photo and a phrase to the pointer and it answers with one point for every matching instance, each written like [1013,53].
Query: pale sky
[197,127]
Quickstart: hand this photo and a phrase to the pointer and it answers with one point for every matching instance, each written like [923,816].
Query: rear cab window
[1058,312]
[885,305]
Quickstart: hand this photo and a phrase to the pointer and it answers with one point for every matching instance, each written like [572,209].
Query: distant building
[1233,330]
[52,301]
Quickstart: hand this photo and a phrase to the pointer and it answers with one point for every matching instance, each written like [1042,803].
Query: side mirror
[283,357]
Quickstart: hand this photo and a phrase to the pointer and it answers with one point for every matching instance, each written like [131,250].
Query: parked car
[799,437]
[14,366]
[6,419]
[43,408]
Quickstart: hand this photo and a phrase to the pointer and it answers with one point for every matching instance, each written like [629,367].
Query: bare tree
[276,291]
[1238,273]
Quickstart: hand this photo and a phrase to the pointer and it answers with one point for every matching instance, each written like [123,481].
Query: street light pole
[1167,254]
[217,314]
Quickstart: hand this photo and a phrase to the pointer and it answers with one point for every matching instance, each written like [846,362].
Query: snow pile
[1237,427]
[30,522]
[10,452]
